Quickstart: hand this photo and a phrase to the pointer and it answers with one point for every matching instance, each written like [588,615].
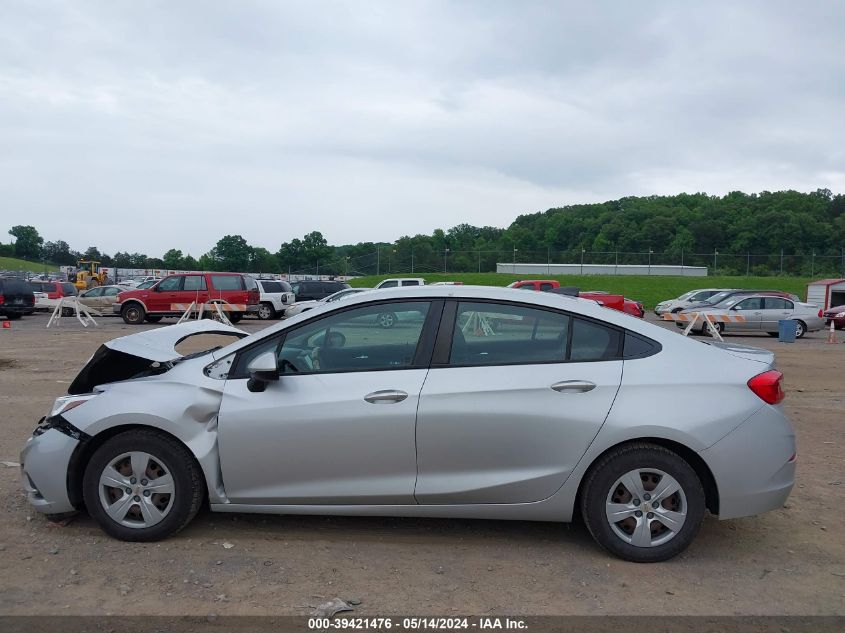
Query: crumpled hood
[143,354]
[159,345]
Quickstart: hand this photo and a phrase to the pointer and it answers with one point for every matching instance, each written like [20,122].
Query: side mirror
[262,370]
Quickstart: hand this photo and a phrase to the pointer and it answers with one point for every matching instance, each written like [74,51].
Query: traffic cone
[7,325]
[831,337]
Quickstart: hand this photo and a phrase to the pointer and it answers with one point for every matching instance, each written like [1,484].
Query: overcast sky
[145,126]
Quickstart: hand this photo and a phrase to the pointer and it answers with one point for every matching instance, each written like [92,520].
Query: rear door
[751,310]
[514,397]
[774,310]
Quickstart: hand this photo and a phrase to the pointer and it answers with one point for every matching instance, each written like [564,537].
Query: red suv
[174,294]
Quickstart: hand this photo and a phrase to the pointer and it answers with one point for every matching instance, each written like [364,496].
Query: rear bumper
[16,309]
[754,465]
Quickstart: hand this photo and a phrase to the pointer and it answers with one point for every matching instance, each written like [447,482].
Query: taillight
[821,313]
[253,297]
[768,386]
[2,299]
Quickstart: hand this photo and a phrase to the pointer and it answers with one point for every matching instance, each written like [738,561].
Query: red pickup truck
[617,302]
[174,294]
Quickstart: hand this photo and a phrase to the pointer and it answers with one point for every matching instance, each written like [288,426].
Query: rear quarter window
[272,286]
[227,282]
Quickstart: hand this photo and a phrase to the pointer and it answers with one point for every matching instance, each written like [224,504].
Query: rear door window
[194,283]
[777,303]
[503,334]
[227,282]
[272,287]
[391,283]
[594,341]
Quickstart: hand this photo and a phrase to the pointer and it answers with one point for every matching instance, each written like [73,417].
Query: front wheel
[800,329]
[643,503]
[142,486]
[152,319]
[133,314]
[720,328]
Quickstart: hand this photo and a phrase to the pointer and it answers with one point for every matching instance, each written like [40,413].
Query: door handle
[577,386]
[385,396]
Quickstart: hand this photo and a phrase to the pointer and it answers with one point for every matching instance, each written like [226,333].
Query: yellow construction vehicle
[88,274]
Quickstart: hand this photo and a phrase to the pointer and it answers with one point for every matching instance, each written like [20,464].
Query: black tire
[602,476]
[188,487]
[14,316]
[772,333]
[67,312]
[235,317]
[266,311]
[151,318]
[133,313]
[800,329]
[386,320]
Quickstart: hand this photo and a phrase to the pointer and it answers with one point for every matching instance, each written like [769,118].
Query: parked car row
[743,311]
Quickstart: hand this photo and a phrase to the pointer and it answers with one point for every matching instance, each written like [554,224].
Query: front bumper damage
[44,464]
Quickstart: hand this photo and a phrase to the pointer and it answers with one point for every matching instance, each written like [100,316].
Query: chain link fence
[393,261]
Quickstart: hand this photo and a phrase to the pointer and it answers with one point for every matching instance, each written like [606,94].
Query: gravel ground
[791,561]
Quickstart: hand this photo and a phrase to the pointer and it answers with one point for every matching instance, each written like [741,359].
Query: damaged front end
[110,393]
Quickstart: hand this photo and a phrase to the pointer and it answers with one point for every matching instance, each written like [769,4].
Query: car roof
[585,307]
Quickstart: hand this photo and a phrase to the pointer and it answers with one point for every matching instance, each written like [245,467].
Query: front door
[511,412]
[166,293]
[751,310]
[338,426]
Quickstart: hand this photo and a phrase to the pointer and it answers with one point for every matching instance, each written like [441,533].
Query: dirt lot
[791,561]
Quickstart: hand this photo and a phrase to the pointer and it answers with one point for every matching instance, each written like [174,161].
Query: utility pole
[548,261]
[748,265]
[412,260]
[781,261]
[715,260]
[378,260]
[616,262]
[649,260]
[445,256]
[479,261]
[813,264]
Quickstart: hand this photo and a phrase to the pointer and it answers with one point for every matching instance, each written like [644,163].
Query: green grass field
[651,290]
[12,263]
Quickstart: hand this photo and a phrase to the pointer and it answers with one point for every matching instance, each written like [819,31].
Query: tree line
[753,229]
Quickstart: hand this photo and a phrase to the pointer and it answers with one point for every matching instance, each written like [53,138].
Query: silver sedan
[479,402]
[759,313]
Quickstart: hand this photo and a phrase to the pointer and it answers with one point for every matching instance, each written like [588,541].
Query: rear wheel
[266,312]
[66,312]
[800,329]
[234,317]
[13,316]
[643,503]
[142,486]
[133,313]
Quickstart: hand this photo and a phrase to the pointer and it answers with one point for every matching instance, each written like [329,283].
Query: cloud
[146,126]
